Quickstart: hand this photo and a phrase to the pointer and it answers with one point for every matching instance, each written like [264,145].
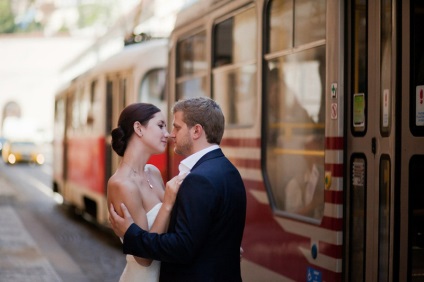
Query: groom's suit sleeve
[191,219]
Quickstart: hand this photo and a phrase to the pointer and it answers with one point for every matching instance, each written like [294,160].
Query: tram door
[411,189]
[371,131]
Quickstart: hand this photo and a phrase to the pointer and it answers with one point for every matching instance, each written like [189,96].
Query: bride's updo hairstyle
[141,112]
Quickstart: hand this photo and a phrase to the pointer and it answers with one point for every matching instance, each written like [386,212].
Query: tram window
[191,88]
[192,66]
[69,109]
[122,93]
[152,89]
[84,108]
[76,109]
[96,105]
[59,118]
[386,67]
[384,219]
[309,25]
[357,217]
[295,23]
[109,106]
[234,75]
[416,218]
[280,25]
[93,100]
[417,75]
[295,107]
[191,54]
[359,67]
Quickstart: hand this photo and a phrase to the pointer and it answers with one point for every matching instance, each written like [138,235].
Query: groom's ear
[197,131]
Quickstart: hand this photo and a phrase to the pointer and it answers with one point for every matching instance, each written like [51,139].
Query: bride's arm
[118,193]
[160,224]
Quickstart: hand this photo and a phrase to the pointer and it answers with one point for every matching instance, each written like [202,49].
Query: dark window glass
[417,63]
[416,218]
[384,219]
[359,66]
[386,67]
[357,217]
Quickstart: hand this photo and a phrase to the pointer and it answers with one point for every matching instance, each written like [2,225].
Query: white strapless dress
[136,272]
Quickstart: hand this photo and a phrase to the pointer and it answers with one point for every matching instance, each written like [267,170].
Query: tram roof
[125,59]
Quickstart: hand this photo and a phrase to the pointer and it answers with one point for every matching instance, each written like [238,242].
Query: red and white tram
[87,110]
[324,119]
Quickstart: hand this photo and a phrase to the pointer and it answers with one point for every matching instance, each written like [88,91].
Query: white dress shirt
[187,164]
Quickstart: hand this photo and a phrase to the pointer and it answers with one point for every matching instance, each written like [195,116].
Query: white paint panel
[333,210]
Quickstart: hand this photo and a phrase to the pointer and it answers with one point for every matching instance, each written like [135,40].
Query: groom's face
[181,135]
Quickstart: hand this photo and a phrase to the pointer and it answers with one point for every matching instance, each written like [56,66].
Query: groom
[207,222]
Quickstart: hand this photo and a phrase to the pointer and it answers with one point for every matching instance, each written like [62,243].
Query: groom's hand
[120,224]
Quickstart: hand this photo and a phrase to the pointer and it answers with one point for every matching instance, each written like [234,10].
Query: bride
[141,133]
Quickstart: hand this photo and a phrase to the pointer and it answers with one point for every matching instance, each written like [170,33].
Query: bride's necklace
[147,178]
[136,172]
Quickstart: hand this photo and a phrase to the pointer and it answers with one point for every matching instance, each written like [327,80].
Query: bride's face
[156,134]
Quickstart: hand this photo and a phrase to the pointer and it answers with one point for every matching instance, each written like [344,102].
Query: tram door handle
[374,145]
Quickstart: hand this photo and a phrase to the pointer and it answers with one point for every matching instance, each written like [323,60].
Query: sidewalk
[20,257]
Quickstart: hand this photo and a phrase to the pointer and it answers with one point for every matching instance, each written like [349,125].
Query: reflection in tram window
[191,66]
[294,108]
[296,132]
[234,75]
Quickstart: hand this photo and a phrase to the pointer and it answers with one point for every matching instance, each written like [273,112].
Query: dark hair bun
[119,142]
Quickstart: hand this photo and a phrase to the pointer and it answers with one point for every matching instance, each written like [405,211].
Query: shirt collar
[187,164]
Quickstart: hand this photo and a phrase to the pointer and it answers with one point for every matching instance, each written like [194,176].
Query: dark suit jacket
[206,226]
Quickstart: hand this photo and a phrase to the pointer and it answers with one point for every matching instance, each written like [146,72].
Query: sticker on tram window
[419,108]
[359,110]
[358,172]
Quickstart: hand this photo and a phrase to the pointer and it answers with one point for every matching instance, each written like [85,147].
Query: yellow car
[22,151]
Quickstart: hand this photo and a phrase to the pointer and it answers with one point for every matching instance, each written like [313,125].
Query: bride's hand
[171,190]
